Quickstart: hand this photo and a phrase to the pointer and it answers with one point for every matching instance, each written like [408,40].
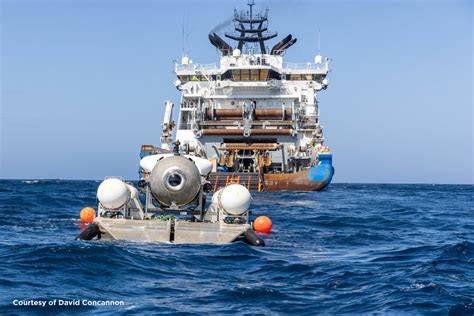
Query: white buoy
[235,199]
[318,59]
[236,53]
[113,193]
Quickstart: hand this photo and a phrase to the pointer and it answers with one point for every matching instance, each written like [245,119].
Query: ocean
[351,249]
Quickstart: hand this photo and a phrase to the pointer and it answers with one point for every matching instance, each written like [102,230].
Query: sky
[83,83]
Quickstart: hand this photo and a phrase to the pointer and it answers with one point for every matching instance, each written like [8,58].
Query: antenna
[319,59]
[182,35]
[251,3]
[184,55]
[251,29]
[319,40]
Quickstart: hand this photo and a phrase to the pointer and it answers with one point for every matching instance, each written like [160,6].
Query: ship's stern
[323,172]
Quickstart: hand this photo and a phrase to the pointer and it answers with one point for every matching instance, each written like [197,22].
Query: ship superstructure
[255,116]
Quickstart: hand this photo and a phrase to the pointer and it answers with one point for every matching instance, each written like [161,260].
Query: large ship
[254,116]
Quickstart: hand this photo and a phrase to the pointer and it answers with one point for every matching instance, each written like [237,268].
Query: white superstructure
[252,106]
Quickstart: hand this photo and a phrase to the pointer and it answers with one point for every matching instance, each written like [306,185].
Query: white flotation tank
[235,199]
[133,192]
[113,193]
[148,163]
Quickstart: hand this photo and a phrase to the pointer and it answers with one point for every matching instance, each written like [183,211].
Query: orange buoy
[87,214]
[262,224]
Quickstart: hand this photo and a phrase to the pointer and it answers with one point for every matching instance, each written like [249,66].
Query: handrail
[303,66]
[197,66]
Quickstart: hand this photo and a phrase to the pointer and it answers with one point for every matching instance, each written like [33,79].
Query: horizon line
[336,182]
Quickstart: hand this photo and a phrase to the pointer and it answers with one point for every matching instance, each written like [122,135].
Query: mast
[250,28]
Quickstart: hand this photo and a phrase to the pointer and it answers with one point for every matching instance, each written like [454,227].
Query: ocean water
[352,249]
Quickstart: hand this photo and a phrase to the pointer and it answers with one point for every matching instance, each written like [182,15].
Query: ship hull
[314,178]
[299,181]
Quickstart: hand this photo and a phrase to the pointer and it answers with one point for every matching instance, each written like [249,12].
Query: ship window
[295,77]
[183,79]
[254,75]
[275,75]
[308,77]
[244,74]
[226,75]
[185,120]
[236,75]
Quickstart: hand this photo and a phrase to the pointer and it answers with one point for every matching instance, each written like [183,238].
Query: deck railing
[305,66]
[200,67]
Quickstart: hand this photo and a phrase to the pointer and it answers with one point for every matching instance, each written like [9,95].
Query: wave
[390,249]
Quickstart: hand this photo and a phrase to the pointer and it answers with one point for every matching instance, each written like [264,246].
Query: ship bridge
[258,67]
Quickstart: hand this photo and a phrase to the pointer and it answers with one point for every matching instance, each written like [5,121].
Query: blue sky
[83,82]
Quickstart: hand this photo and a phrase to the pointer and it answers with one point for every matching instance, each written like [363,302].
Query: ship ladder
[215,184]
[254,182]
[232,179]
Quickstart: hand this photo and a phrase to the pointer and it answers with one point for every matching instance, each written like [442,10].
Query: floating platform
[175,211]
[175,231]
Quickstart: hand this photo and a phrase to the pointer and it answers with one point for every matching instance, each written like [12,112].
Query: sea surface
[352,249]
